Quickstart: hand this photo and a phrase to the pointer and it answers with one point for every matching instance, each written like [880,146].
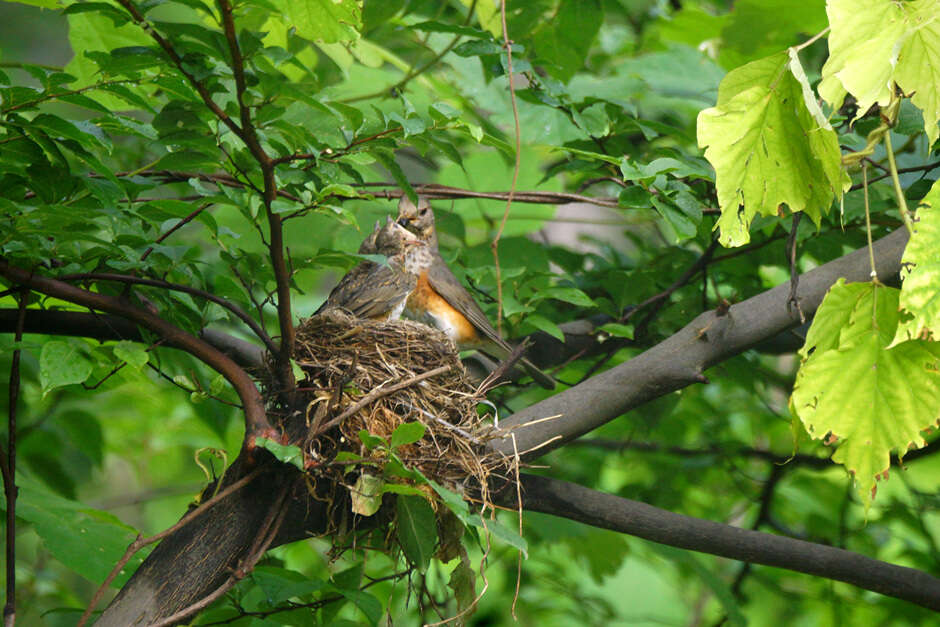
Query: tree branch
[113,328]
[680,360]
[568,500]
[256,422]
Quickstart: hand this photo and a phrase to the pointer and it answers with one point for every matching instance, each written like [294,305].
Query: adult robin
[440,300]
[379,291]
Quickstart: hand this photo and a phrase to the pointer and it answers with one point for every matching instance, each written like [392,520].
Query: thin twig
[176,227]
[237,311]
[8,467]
[507,44]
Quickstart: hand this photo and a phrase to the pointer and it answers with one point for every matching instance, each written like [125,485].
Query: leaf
[328,21]
[921,275]
[287,453]
[569,295]
[62,363]
[366,495]
[875,43]
[833,315]
[870,398]
[407,433]
[463,582]
[281,584]
[417,530]
[85,540]
[544,324]
[564,41]
[133,353]
[767,149]
[617,330]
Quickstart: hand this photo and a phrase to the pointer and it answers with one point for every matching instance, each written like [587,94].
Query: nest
[370,376]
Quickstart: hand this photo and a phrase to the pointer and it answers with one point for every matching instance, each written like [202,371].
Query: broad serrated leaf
[417,530]
[921,275]
[869,398]
[767,149]
[62,363]
[875,43]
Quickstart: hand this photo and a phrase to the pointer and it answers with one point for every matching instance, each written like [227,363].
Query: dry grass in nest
[374,376]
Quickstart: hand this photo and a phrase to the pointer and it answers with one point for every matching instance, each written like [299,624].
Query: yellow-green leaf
[875,43]
[767,148]
[919,294]
[866,397]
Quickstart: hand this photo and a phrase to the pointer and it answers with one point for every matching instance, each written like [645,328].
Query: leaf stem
[902,202]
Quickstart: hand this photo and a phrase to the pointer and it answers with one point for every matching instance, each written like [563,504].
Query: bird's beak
[404,221]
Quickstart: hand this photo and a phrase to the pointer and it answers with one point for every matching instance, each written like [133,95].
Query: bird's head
[419,219]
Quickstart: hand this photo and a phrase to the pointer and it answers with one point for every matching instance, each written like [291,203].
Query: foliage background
[614,78]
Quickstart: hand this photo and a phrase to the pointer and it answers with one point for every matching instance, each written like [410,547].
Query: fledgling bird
[440,300]
[379,291]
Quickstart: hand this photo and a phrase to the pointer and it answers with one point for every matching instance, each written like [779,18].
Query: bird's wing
[370,290]
[444,282]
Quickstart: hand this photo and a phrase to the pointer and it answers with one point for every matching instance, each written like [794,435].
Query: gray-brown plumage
[440,300]
[374,290]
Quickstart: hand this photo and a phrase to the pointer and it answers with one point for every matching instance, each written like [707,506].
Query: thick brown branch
[255,417]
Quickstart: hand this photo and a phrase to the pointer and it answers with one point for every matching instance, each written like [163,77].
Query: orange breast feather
[426,302]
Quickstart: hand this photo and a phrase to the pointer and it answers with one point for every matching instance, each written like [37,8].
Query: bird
[440,300]
[379,291]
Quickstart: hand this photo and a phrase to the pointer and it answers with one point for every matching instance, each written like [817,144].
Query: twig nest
[364,379]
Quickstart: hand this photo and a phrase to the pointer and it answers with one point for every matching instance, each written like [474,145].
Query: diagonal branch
[237,311]
[256,421]
[680,360]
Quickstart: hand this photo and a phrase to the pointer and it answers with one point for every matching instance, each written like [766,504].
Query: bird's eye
[424,211]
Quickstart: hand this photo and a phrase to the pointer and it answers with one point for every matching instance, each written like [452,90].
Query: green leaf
[921,273]
[371,441]
[617,330]
[569,295]
[417,530]
[874,43]
[62,363]
[132,352]
[407,433]
[366,494]
[287,453]
[869,398]
[544,324]
[463,582]
[281,584]
[767,149]
[85,540]
[328,21]
[563,42]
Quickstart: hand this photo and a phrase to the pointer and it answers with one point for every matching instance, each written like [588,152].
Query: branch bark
[568,500]
[681,360]
[256,421]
